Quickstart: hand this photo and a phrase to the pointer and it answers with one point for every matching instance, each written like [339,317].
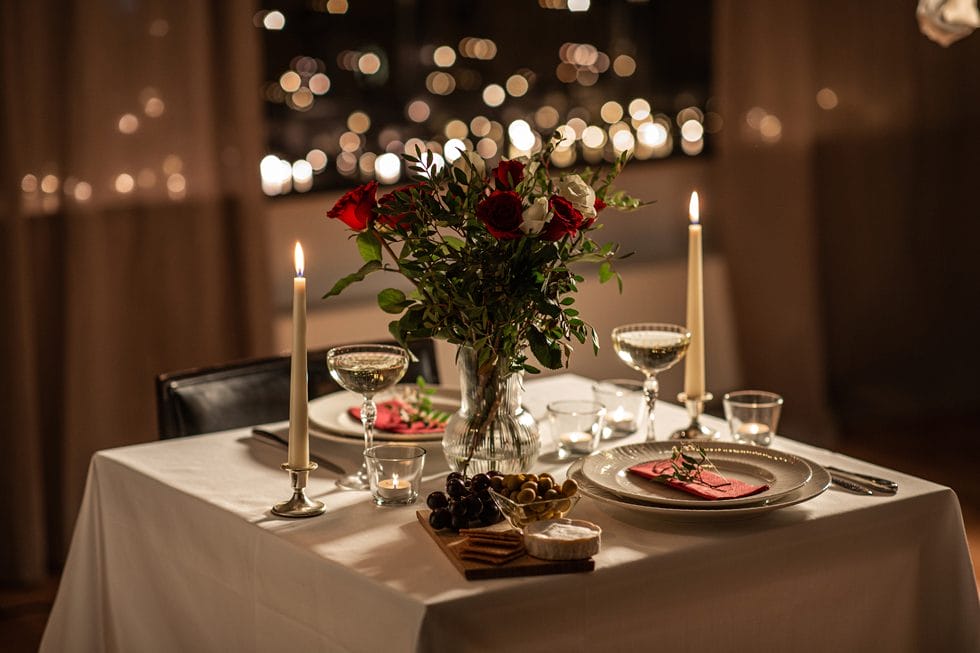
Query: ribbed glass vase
[491,430]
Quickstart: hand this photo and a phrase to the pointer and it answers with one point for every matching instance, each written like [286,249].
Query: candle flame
[394,481]
[300,261]
[694,209]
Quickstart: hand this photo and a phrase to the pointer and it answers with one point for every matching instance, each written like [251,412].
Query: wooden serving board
[523,566]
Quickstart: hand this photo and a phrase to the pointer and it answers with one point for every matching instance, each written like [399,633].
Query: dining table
[176,549]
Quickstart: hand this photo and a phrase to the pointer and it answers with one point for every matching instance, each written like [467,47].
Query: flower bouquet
[489,254]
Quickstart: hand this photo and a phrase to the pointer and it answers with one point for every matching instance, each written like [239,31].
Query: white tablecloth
[175,550]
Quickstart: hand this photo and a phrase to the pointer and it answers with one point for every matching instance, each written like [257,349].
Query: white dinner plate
[819,481]
[329,414]
[782,472]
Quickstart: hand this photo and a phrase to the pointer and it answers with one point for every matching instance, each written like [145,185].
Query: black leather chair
[253,391]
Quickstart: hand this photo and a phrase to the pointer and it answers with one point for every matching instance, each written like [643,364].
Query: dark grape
[493,472]
[453,475]
[473,505]
[459,522]
[440,518]
[458,508]
[480,482]
[437,500]
[455,488]
[490,515]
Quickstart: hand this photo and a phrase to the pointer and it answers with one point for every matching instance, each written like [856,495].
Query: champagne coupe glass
[367,370]
[651,348]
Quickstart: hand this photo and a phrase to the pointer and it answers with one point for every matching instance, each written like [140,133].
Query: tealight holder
[395,473]
[299,505]
[695,430]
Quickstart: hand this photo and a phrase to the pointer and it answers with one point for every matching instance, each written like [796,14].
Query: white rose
[476,164]
[574,189]
[536,216]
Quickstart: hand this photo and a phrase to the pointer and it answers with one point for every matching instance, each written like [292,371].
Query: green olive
[530,485]
[526,495]
[569,488]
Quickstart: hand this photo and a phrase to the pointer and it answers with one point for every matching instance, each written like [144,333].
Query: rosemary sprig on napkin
[419,407]
[687,463]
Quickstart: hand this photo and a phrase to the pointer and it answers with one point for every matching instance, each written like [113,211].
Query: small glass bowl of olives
[525,498]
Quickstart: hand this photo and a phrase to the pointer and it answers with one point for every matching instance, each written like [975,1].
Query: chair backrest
[253,391]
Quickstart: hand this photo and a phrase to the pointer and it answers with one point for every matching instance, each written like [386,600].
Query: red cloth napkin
[732,488]
[390,418]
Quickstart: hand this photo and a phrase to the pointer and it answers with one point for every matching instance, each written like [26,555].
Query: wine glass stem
[651,388]
[368,414]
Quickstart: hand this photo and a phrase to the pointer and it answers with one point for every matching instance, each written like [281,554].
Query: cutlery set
[861,483]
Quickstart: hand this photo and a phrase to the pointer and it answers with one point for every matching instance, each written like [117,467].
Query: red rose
[356,207]
[565,219]
[508,174]
[501,213]
[385,201]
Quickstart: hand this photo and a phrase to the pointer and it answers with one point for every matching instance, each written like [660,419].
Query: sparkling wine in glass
[651,348]
[366,370]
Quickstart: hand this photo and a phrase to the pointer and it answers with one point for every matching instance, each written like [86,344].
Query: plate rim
[692,502]
[819,482]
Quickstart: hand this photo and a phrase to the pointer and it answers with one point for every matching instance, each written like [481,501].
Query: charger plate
[329,415]
[818,483]
[782,472]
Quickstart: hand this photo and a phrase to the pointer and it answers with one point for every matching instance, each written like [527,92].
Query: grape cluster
[466,500]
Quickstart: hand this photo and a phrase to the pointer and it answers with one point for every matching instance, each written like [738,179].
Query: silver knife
[271,437]
[885,484]
[848,484]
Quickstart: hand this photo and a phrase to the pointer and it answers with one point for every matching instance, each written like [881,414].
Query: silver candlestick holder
[299,505]
[695,430]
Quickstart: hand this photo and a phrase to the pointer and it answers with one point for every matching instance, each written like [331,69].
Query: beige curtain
[765,87]
[131,234]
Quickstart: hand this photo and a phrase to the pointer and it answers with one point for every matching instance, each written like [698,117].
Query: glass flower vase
[491,430]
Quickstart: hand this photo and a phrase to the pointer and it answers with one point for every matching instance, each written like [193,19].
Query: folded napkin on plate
[723,488]
[392,417]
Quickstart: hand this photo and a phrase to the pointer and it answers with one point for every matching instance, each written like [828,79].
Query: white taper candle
[299,435]
[694,363]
